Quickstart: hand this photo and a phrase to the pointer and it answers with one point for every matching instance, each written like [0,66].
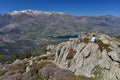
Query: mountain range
[29,29]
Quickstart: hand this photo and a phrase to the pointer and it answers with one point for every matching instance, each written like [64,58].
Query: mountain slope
[75,59]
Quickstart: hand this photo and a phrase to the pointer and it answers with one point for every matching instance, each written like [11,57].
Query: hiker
[93,39]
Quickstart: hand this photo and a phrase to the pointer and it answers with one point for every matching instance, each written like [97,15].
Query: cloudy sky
[74,7]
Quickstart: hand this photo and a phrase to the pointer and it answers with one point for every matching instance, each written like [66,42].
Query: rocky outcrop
[17,61]
[100,60]
[75,59]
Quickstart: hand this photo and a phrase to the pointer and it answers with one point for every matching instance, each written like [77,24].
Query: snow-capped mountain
[32,12]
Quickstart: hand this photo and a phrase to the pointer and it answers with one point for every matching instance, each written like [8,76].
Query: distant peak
[32,12]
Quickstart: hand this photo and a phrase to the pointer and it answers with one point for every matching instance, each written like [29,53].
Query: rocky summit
[75,59]
[100,60]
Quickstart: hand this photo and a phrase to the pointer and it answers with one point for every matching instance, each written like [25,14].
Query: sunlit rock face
[85,58]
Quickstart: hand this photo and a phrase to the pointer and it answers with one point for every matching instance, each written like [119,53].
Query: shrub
[21,66]
[2,58]
[26,54]
[85,40]
[50,57]
[98,73]
[2,72]
[14,56]
[73,77]
[103,46]
[42,58]
[71,54]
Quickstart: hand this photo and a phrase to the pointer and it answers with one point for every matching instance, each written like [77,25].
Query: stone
[115,56]
[30,62]
[28,69]
[17,61]
[50,47]
[105,62]
[112,74]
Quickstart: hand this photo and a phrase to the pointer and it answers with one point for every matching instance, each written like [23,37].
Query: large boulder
[28,68]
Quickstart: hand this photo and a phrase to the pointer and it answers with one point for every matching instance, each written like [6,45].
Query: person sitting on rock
[93,39]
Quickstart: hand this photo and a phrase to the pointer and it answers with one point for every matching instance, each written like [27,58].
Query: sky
[73,7]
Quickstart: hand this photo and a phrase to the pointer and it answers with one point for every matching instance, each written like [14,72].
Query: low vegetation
[118,37]
[2,72]
[2,58]
[21,66]
[13,56]
[103,46]
[98,73]
[50,57]
[85,40]
[73,77]
[71,54]
[38,66]
[47,71]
